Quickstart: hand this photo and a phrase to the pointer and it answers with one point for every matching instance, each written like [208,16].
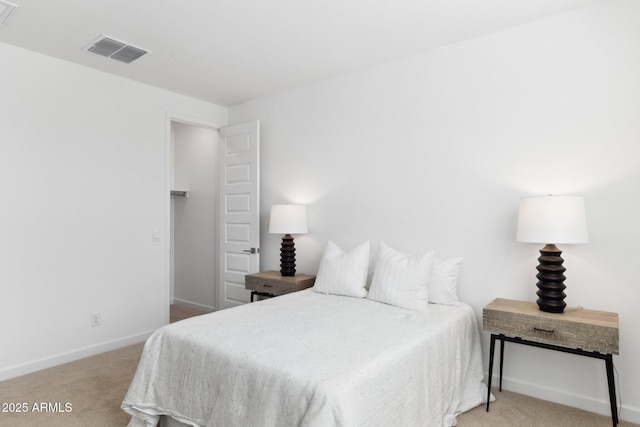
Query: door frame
[174,117]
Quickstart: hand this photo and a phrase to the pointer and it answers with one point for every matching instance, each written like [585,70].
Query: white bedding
[310,359]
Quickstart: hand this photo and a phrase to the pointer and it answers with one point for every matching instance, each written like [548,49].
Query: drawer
[272,282]
[588,330]
[271,287]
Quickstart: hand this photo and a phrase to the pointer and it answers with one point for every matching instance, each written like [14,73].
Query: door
[239,237]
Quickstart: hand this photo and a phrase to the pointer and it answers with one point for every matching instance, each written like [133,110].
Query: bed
[311,358]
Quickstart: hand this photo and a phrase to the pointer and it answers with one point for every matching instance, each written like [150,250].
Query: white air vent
[6,9]
[115,49]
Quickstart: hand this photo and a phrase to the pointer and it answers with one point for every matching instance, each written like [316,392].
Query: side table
[577,331]
[271,283]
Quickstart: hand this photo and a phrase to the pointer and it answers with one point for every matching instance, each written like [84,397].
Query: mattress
[311,359]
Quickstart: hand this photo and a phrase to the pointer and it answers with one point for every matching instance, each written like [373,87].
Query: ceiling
[228,51]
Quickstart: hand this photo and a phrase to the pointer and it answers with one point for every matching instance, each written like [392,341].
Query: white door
[239,237]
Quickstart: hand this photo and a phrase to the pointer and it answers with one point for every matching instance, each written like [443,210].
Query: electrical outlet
[96,319]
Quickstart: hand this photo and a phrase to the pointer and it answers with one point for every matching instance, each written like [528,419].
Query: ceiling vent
[115,49]
[6,9]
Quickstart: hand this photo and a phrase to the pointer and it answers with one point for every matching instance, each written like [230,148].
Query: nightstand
[577,331]
[271,283]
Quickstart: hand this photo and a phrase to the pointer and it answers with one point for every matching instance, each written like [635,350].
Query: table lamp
[288,220]
[551,220]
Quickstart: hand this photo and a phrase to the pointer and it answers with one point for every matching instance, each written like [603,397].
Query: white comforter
[310,359]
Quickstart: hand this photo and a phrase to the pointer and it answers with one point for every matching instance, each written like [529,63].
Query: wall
[194,249]
[84,185]
[434,152]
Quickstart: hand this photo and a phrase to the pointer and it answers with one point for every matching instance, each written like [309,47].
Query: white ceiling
[227,51]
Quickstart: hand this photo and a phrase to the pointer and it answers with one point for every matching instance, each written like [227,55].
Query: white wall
[435,151]
[84,183]
[195,165]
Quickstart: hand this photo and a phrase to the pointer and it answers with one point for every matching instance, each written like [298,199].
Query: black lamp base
[551,280]
[288,256]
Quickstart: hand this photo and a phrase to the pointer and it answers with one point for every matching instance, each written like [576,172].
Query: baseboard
[586,403]
[194,305]
[59,359]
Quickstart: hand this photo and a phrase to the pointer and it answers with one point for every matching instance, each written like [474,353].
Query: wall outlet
[96,319]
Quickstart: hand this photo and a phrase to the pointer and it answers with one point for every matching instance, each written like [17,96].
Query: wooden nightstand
[272,283]
[584,332]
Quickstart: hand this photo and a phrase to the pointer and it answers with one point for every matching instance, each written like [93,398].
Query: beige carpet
[512,409]
[95,387]
[178,312]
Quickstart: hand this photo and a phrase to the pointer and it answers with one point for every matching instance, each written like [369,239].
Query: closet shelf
[180,193]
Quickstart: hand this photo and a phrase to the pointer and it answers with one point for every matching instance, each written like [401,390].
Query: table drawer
[575,328]
[261,285]
[277,286]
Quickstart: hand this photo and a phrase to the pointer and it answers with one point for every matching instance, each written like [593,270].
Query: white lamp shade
[552,219]
[288,219]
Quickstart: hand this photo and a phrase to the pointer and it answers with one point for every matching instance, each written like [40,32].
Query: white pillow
[401,279]
[343,273]
[444,281]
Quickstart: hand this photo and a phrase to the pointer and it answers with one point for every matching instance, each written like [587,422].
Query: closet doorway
[194,210]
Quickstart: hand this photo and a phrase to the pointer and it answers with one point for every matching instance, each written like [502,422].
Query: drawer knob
[543,330]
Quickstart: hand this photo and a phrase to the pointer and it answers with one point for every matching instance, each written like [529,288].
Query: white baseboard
[59,359]
[586,403]
[194,305]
